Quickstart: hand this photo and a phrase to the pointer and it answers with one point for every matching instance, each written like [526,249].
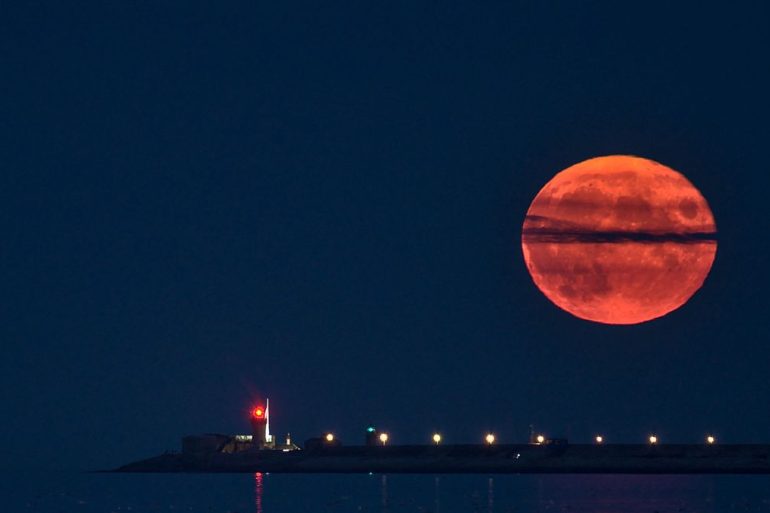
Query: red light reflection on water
[258,491]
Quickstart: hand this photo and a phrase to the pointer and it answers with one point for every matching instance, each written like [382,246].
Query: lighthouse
[260,431]
[260,425]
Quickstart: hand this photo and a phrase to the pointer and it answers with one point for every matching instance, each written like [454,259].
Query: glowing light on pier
[653,439]
[540,439]
[329,437]
[599,439]
[490,438]
[711,440]
[384,438]
[436,438]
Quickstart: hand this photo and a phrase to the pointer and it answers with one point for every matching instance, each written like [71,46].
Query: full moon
[619,240]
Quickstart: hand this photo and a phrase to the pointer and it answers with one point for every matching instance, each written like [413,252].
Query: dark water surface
[277,493]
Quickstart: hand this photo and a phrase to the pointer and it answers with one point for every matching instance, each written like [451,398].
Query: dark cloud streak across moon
[557,235]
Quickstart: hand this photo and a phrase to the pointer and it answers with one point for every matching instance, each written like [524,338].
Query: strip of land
[470,459]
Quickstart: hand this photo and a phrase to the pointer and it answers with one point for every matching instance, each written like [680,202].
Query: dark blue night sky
[203,204]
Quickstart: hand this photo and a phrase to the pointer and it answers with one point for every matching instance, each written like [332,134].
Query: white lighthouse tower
[268,436]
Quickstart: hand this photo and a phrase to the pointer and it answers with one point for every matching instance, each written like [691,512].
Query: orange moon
[619,240]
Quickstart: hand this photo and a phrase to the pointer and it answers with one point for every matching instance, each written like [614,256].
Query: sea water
[279,493]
